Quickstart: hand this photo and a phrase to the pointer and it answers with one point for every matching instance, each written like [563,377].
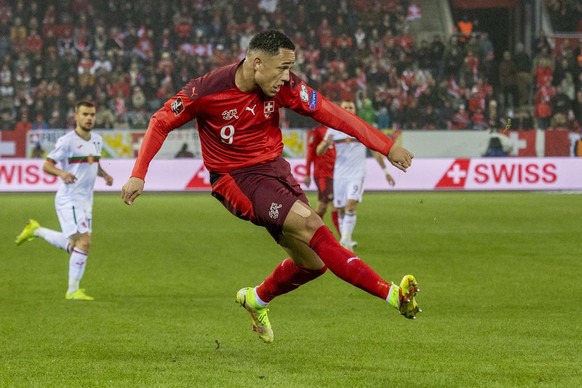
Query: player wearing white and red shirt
[237,110]
[78,153]
[349,175]
[322,171]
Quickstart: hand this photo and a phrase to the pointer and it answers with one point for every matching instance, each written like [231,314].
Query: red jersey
[239,129]
[323,164]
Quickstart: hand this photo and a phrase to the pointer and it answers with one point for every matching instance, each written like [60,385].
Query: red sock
[286,277]
[335,220]
[346,265]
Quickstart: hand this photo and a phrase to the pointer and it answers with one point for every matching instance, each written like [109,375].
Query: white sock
[340,221]
[260,302]
[348,225]
[76,269]
[53,237]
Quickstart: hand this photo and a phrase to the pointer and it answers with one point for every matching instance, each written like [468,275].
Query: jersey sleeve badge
[177,106]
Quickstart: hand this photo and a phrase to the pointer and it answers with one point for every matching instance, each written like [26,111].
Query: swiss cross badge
[269,108]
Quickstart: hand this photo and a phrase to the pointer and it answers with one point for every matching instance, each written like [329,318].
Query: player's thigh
[340,194]
[263,199]
[74,217]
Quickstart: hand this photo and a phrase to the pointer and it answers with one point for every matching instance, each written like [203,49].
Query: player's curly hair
[270,42]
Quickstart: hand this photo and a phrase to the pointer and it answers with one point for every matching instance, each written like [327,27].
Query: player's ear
[257,63]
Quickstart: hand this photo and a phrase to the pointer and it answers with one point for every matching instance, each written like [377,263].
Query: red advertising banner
[13,143]
[557,143]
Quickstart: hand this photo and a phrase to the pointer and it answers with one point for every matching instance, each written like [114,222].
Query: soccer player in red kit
[236,107]
[322,172]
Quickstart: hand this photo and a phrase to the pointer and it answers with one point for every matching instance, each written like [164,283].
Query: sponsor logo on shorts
[274,211]
[312,100]
[177,106]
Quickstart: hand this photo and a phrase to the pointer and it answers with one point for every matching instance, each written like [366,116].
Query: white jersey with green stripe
[350,155]
[79,157]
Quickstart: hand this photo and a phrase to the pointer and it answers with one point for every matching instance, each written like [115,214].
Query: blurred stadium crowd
[128,57]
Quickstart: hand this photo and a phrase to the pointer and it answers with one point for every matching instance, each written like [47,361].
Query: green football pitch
[500,277]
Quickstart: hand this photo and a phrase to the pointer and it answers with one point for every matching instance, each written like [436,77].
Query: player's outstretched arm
[131,190]
[400,157]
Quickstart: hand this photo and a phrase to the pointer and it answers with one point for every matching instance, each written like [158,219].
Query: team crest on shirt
[274,211]
[90,159]
[229,114]
[177,106]
[269,108]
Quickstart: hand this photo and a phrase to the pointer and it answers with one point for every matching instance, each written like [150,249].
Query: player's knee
[83,243]
[312,223]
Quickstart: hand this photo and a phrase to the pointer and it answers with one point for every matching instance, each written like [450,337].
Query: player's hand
[131,190]
[307,180]
[68,178]
[108,180]
[390,180]
[400,157]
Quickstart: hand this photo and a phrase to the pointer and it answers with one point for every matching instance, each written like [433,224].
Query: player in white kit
[348,177]
[78,153]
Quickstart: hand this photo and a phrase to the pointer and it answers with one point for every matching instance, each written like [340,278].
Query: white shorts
[74,218]
[345,189]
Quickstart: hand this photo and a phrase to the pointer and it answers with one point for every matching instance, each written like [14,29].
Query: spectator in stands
[543,66]
[367,112]
[184,152]
[465,27]
[39,122]
[561,105]
[523,68]
[430,119]
[383,118]
[7,116]
[460,120]
[543,104]
[508,81]
[437,52]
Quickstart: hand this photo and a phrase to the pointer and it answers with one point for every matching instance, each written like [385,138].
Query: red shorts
[263,193]
[324,189]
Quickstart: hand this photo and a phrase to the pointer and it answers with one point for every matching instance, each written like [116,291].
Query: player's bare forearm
[324,145]
[50,168]
[131,190]
[108,178]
